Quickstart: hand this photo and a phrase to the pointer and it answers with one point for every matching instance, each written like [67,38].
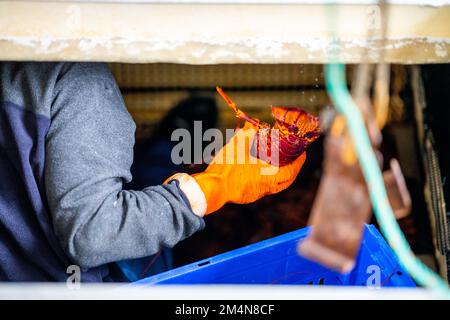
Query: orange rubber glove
[241,180]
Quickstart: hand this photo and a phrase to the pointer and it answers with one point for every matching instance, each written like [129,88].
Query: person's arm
[89,152]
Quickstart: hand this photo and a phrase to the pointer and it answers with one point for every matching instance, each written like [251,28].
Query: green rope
[337,88]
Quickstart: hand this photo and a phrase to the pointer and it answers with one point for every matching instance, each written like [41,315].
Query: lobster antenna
[239,114]
[228,100]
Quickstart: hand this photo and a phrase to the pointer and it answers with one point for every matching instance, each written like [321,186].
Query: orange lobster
[297,129]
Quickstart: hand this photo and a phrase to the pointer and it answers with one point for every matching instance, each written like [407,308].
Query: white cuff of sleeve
[193,193]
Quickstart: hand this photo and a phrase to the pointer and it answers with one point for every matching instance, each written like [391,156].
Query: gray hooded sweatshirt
[66,148]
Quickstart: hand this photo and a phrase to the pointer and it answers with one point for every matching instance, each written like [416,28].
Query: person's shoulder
[37,70]
[49,74]
[29,84]
[87,87]
[85,71]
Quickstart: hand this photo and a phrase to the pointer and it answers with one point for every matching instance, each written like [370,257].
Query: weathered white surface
[215,33]
[209,292]
[407,2]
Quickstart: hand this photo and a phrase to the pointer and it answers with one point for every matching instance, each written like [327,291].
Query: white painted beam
[47,291]
[211,33]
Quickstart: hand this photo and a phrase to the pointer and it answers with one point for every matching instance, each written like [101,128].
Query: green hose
[337,88]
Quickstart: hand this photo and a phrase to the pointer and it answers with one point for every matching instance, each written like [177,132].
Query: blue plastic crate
[275,261]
